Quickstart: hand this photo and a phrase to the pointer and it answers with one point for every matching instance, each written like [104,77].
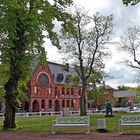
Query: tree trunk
[16,54]
[83,103]
[10,103]
[9,121]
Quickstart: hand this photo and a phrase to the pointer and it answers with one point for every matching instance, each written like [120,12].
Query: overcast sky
[123,17]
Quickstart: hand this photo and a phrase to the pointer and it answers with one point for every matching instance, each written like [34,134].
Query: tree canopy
[132,2]
[22,23]
[130,44]
[85,48]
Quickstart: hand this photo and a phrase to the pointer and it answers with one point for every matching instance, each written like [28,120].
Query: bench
[71,121]
[129,121]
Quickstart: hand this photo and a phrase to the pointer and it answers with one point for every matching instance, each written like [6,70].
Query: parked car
[135,109]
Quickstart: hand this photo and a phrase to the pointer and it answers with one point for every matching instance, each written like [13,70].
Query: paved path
[45,136]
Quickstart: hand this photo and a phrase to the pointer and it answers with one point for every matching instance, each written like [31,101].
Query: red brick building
[49,89]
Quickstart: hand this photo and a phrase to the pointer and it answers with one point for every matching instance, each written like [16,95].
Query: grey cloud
[121,76]
[123,16]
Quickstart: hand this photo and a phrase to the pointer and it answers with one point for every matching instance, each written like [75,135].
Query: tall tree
[85,48]
[22,23]
[130,43]
[132,2]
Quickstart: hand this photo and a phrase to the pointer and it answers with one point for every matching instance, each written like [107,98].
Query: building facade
[125,98]
[50,90]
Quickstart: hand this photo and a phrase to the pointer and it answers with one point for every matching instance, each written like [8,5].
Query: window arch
[43,80]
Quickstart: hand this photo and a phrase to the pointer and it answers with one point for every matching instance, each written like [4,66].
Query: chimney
[67,66]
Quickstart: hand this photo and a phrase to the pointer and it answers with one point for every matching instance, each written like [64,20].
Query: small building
[105,93]
[124,98]
[117,98]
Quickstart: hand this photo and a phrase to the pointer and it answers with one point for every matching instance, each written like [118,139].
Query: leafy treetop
[132,2]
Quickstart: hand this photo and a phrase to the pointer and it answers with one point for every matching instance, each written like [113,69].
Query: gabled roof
[59,69]
[34,65]
[123,94]
[109,87]
[106,87]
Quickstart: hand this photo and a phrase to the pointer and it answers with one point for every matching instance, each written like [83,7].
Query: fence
[33,114]
[60,113]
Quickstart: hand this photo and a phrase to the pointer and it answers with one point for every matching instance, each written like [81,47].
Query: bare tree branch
[130,44]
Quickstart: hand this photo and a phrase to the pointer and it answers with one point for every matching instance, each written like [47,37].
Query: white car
[135,109]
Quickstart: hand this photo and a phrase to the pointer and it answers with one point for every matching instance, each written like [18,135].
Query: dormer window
[60,77]
[67,80]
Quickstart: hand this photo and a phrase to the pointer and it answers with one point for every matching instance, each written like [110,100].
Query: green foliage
[74,80]
[4,74]
[132,2]
[2,91]
[22,24]
[123,88]
[92,95]
[96,76]
[137,89]
[102,89]
[32,17]
[137,97]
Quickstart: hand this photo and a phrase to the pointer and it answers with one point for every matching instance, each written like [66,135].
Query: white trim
[43,72]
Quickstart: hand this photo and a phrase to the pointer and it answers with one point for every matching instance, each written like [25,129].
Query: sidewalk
[45,136]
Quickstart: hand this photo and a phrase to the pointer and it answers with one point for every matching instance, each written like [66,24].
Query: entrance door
[35,106]
[57,105]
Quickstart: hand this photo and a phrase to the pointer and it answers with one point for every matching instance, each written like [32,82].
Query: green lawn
[44,124]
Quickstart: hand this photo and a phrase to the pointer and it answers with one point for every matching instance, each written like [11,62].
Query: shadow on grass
[102,130]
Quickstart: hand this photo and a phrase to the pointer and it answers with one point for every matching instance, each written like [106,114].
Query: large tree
[130,43]
[85,48]
[22,23]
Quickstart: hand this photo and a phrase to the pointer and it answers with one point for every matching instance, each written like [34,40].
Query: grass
[44,123]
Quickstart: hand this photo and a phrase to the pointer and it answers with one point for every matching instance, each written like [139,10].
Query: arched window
[58,93]
[68,91]
[55,92]
[57,105]
[72,103]
[50,104]
[63,91]
[35,106]
[63,103]
[68,103]
[42,104]
[43,80]
[35,89]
